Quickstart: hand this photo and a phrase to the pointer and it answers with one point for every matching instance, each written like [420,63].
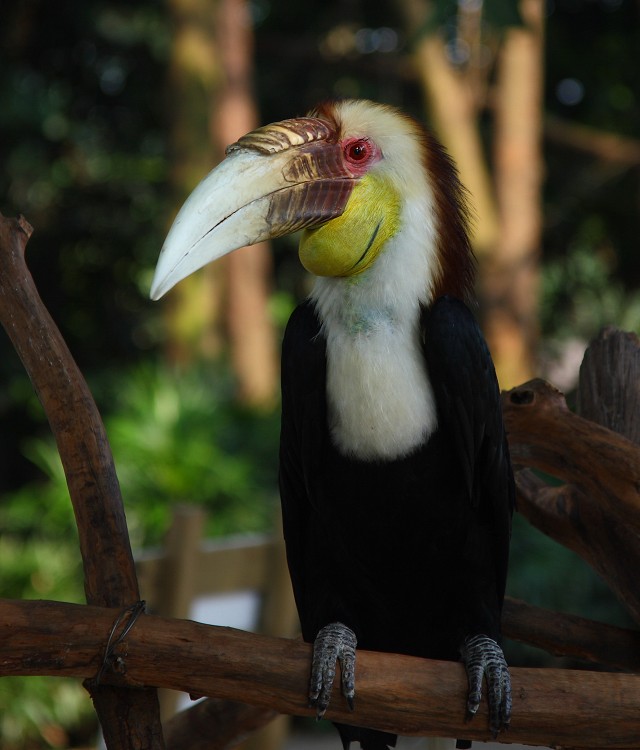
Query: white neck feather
[379,397]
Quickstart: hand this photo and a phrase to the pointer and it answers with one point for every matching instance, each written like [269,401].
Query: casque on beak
[275,180]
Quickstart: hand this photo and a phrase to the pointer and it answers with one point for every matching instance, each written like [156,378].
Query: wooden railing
[189,567]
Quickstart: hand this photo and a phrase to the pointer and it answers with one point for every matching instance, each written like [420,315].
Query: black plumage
[411,554]
[405,548]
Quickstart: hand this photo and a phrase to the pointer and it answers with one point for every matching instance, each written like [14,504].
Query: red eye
[358,151]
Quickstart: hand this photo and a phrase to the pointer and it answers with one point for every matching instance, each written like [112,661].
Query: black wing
[469,408]
[303,411]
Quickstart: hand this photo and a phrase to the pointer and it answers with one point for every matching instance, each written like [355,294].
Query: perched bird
[396,485]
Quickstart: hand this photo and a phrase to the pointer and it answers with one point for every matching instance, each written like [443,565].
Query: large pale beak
[274,181]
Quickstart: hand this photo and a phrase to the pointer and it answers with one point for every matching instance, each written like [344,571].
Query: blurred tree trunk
[452,101]
[507,233]
[211,105]
[511,283]
[193,306]
[250,330]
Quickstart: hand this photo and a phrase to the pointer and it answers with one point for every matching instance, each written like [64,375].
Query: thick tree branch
[545,435]
[557,633]
[568,635]
[110,578]
[396,693]
[597,513]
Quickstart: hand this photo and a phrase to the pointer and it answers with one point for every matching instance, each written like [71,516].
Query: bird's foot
[483,657]
[334,643]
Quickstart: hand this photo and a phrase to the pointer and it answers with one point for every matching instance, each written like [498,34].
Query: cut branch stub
[609,387]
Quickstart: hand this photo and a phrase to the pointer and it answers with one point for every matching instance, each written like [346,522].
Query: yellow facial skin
[349,244]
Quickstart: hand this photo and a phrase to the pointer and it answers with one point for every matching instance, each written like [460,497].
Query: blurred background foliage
[89,153]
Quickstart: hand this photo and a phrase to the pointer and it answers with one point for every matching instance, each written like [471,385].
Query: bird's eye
[358,151]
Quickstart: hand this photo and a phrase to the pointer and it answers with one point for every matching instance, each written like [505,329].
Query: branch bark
[597,512]
[568,635]
[109,571]
[75,423]
[609,387]
[401,694]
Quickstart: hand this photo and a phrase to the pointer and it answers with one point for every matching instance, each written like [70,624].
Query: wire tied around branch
[131,612]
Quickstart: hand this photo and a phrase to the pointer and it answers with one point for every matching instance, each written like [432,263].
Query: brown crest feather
[453,217]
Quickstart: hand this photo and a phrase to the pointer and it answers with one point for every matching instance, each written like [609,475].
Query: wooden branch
[601,144]
[598,513]
[609,386]
[401,694]
[545,435]
[215,724]
[110,578]
[555,632]
[568,635]
[75,423]
[552,508]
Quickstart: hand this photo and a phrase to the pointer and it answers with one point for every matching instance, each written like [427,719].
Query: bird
[395,480]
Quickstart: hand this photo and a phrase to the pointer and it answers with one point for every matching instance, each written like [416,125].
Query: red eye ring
[358,151]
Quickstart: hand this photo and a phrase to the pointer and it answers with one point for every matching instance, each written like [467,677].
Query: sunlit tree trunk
[250,330]
[211,104]
[511,283]
[452,103]
[507,208]
[194,76]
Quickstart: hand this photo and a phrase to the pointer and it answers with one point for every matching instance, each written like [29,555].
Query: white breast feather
[380,401]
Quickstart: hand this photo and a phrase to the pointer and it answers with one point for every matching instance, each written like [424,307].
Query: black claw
[321,712]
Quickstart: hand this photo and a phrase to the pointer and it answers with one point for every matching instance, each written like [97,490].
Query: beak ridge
[274,181]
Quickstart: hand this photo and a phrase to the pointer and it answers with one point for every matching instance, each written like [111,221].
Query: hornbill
[395,479]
